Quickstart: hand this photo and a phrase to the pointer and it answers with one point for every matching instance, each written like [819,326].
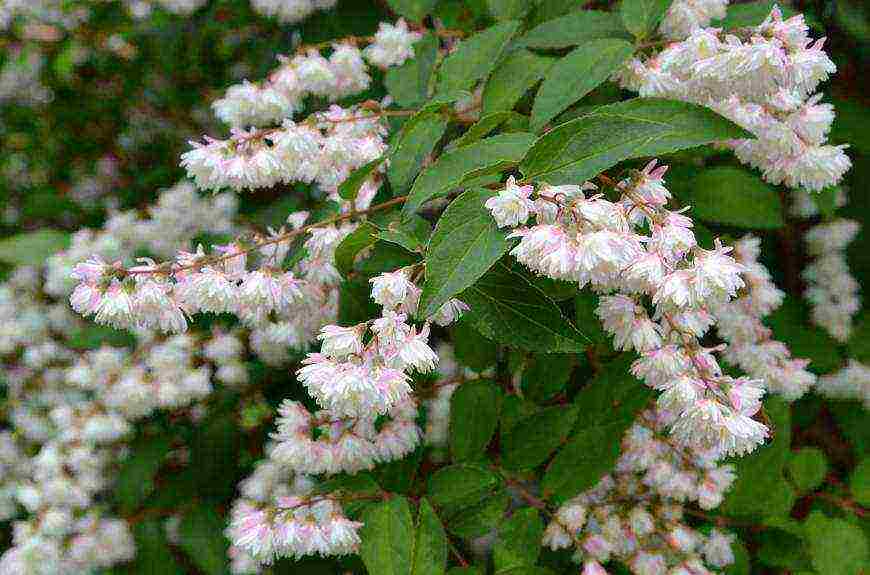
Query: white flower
[511,206]
[393,44]
[339,342]
[450,312]
[392,289]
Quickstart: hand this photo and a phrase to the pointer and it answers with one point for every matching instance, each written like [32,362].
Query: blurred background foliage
[94,118]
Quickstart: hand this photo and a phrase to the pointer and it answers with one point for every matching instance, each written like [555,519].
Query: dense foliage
[434,286]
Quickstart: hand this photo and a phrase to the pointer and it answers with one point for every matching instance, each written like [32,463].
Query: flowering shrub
[479,287]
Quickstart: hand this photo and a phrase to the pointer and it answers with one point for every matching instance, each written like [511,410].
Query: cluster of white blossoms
[596,242]
[310,74]
[831,289]
[290,11]
[762,78]
[685,16]
[750,343]
[635,514]
[850,382]
[21,78]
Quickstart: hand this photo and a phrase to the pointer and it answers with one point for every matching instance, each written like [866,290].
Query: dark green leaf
[531,440]
[349,189]
[837,547]
[474,58]
[784,549]
[430,543]
[807,469]
[804,340]
[474,409]
[354,304]
[546,375]
[577,74]
[486,125]
[574,29]
[506,307]
[461,485]
[465,244]
[519,540]
[508,9]
[386,257]
[472,349]
[355,242]
[409,83]
[642,16]
[201,535]
[513,77]
[412,233]
[583,461]
[859,482]
[387,540]
[32,248]
[582,148]
[135,480]
[152,553]
[458,166]
[414,10]
[478,520]
[415,142]
[736,197]
[752,13]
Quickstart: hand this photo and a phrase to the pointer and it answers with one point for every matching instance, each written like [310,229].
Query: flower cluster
[291,11]
[635,514]
[850,382]
[763,79]
[685,16]
[751,346]
[593,241]
[831,289]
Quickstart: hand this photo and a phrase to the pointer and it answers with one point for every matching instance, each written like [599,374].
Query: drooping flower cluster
[685,16]
[596,242]
[291,11]
[764,79]
[635,514]
[850,382]
[751,346]
[831,289]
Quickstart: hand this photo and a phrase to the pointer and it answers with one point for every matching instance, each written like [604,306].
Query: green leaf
[613,395]
[461,485]
[354,304]
[474,58]
[582,148]
[574,29]
[531,440]
[642,16]
[355,242]
[513,77]
[411,234]
[804,340]
[506,307]
[478,520]
[486,125]
[32,248]
[736,197]
[153,555]
[741,564]
[583,461]
[201,535]
[752,14]
[135,480]
[349,189]
[415,142]
[837,547]
[585,304]
[488,156]
[409,83]
[547,375]
[472,349]
[519,540]
[414,10]
[386,257]
[508,9]
[474,409]
[784,548]
[430,543]
[576,75]
[860,482]
[807,469]
[465,244]
[760,474]
[386,547]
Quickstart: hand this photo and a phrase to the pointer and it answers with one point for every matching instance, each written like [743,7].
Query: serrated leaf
[859,482]
[461,485]
[474,409]
[471,348]
[135,478]
[478,520]
[513,77]
[414,10]
[837,547]
[386,542]
[574,29]
[583,461]
[412,233]
[735,197]
[531,440]
[415,142]
[409,83]
[582,148]
[355,242]
[612,395]
[461,165]
[546,375]
[201,535]
[519,540]
[641,17]
[349,188]
[474,57]
[32,248]
[506,307]
[430,543]
[488,123]
[807,468]
[465,244]
[577,74]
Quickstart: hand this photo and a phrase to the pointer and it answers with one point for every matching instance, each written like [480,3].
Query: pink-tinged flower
[511,207]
